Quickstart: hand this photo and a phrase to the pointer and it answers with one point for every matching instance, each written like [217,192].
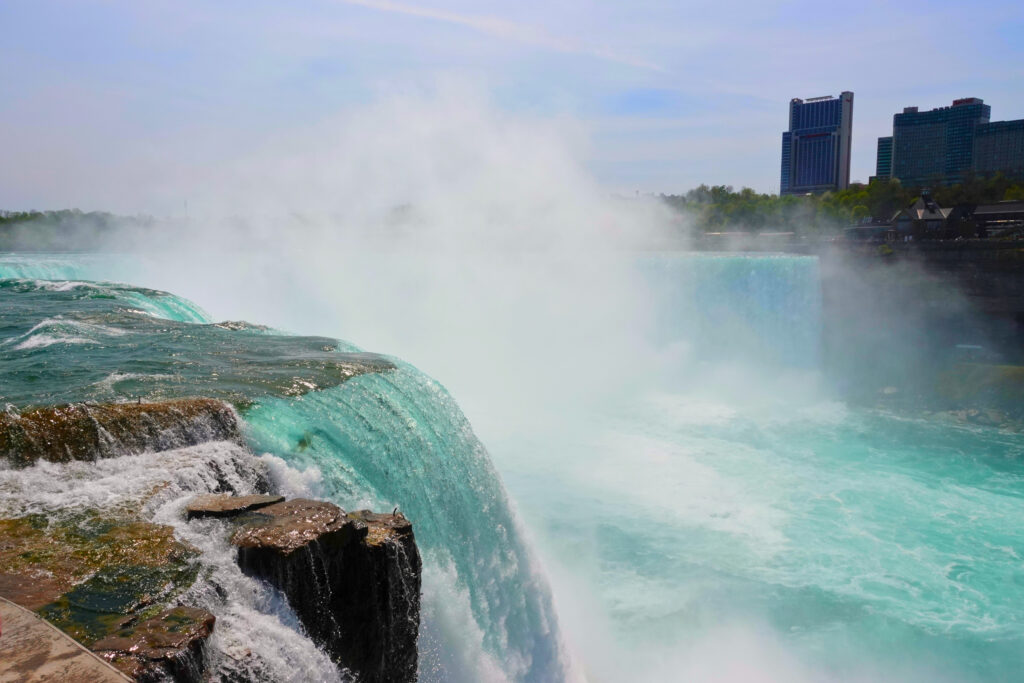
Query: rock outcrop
[99,580]
[40,561]
[116,582]
[88,432]
[227,505]
[353,580]
[167,646]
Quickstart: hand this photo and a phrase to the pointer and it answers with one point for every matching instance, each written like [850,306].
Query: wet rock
[389,585]
[170,645]
[88,557]
[101,581]
[89,432]
[30,590]
[226,505]
[353,580]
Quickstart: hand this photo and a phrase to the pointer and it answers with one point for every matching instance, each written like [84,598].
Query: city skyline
[106,95]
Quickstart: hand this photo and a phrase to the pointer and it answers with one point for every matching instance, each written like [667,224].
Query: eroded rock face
[391,582]
[89,432]
[169,645]
[353,580]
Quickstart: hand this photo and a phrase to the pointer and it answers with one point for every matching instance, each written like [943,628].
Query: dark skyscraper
[816,148]
[937,146]
[999,148]
[883,162]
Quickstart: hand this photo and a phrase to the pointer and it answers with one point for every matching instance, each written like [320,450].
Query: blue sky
[669,94]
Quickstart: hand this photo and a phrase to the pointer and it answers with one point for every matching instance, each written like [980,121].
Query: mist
[435,227]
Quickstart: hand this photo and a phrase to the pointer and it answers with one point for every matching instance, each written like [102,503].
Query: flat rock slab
[33,651]
[227,505]
[285,527]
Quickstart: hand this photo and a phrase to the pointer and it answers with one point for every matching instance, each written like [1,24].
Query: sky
[96,96]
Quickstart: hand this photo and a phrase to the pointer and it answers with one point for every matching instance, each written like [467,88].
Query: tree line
[722,208]
[64,230]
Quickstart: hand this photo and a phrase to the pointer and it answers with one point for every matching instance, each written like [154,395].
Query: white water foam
[65,285]
[60,330]
[109,383]
[447,615]
[43,340]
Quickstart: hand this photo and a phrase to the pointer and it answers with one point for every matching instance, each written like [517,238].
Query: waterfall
[362,430]
[764,308]
[398,438]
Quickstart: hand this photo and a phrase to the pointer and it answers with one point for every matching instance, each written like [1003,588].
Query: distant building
[924,213]
[943,146]
[816,148]
[937,146]
[999,147]
[1001,218]
[883,160]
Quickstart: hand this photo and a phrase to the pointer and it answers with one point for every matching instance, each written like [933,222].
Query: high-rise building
[937,146]
[883,162]
[816,148]
[999,148]
[944,145]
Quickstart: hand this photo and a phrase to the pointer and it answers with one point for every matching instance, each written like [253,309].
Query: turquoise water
[728,521]
[861,546]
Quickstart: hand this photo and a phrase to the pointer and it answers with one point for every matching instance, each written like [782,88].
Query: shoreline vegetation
[705,209]
[720,207]
[65,230]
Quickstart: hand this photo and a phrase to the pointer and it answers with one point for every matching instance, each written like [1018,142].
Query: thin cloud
[506,30]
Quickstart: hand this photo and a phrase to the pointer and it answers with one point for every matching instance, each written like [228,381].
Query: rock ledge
[353,580]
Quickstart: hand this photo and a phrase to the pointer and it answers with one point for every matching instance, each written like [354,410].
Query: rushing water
[390,437]
[723,523]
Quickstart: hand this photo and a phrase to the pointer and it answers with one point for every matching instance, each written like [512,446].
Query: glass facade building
[816,148]
[883,162]
[943,146]
[936,147]
[999,148]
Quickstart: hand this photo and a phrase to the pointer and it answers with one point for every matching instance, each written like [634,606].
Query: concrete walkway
[34,651]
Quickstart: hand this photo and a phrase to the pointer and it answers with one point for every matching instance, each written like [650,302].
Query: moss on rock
[88,432]
[88,574]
